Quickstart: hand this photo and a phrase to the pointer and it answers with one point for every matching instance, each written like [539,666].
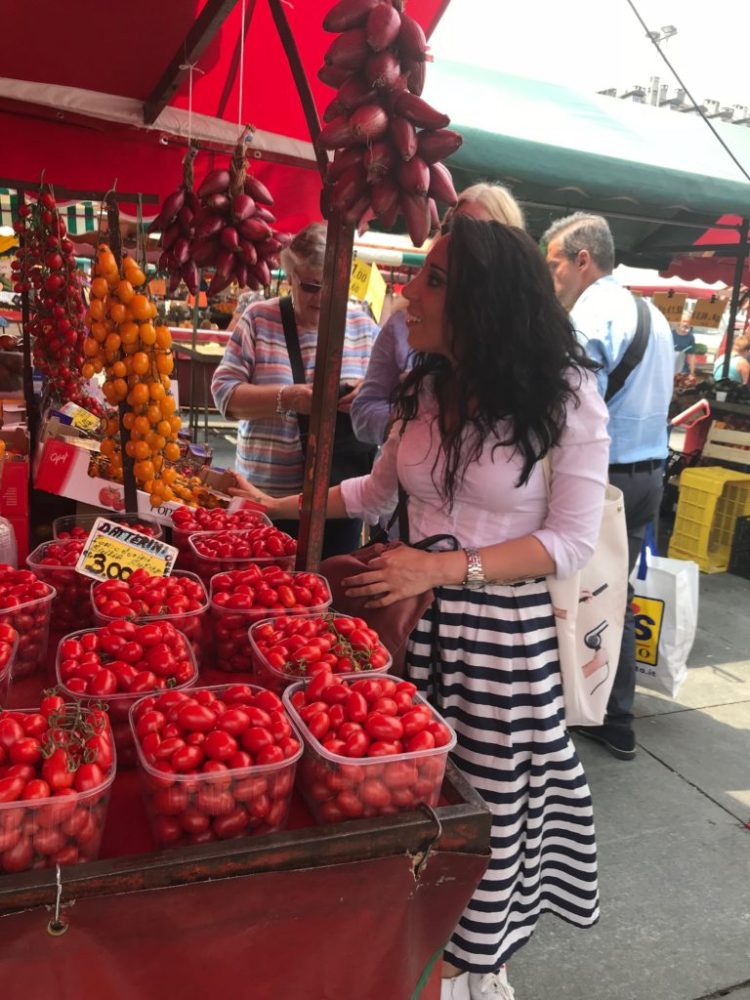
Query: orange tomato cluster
[135,353]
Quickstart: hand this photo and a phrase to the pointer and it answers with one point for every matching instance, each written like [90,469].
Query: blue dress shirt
[605,318]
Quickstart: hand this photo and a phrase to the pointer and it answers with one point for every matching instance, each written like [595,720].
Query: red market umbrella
[94,92]
[710,265]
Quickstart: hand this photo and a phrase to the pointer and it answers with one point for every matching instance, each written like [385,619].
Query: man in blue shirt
[581,257]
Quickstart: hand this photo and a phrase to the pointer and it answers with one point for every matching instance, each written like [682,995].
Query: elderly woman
[257,385]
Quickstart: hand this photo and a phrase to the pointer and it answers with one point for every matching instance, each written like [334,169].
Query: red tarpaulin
[708,266]
[72,91]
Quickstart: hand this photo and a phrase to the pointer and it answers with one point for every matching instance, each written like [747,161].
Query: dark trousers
[642,496]
[341,536]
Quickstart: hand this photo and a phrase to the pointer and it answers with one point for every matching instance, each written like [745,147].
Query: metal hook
[57,926]
[421,858]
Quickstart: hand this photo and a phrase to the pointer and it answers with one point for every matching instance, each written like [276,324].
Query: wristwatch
[474,570]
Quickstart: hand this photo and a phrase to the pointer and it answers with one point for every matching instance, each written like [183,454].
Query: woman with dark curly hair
[499,384]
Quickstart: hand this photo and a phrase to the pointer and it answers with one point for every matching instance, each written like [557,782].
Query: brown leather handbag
[395,623]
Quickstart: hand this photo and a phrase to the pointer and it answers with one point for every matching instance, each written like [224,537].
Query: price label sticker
[113,551]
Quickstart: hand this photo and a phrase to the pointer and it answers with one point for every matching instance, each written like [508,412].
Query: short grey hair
[307,247]
[582,231]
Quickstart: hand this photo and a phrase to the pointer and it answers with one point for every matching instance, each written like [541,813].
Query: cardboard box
[68,469]
[14,487]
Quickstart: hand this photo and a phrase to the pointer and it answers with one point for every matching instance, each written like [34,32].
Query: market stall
[366,882]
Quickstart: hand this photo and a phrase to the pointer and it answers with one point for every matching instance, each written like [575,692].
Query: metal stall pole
[738,271]
[331,327]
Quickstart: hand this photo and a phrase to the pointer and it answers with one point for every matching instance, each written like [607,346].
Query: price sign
[367,285]
[708,314]
[670,304]
[113,551]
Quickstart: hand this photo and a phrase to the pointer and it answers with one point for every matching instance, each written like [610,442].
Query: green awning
[563,151]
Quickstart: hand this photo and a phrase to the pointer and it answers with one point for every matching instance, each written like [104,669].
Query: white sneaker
[456,988]
[490,986]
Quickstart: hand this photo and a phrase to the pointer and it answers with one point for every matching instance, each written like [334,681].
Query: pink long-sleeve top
[489,507]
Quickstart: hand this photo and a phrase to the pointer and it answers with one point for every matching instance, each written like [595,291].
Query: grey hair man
[581,257]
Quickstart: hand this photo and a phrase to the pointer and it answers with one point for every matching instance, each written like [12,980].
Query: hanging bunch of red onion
[225,226]
[176,223]
[45,268]
[389,142]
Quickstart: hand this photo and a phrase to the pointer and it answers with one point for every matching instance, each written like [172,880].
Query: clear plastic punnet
[58,830]
[118,704]
[31,620]
[277,677]
[337,787]
[206,565]
[194,624]
[71,607]
[191,808]
[231,648]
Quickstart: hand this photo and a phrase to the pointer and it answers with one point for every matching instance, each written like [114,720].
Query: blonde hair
[497,201]
[307,247]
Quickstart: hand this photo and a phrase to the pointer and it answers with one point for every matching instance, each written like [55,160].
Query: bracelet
[280,408]
[474,570]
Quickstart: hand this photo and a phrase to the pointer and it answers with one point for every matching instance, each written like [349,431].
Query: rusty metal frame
[464,822]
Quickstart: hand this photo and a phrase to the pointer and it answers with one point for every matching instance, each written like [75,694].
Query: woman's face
[425,314]
[307,282]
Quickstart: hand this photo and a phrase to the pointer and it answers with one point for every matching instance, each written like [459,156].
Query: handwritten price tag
[113,551]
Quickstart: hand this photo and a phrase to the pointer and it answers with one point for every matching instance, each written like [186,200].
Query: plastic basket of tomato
[215,552]
[188,520]
[8,650]
[244,596]
[180,599]
[57,771]
[120,662]
[285,649]
[215,762]
[55,562]
[373,745]
[26,604]
[79,525]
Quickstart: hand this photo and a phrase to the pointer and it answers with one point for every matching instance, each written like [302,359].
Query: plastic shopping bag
[666,616]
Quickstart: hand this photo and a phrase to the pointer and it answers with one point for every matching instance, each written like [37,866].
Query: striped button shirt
[268,449]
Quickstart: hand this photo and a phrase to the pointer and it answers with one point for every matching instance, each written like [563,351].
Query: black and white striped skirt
[498,685]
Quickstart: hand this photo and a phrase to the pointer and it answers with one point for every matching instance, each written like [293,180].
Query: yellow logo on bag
[649,615]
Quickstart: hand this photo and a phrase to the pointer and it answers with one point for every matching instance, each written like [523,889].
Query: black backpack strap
[634,353]
[295,360]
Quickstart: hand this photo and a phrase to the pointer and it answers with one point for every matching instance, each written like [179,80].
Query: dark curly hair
[514,349]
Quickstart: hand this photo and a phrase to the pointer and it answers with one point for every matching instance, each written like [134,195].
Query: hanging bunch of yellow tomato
[135,353]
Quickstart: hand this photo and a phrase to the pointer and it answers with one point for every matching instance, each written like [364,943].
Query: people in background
[739,365]
[499,381]
[254,383]
[683,340]
[373,405]
[581,257]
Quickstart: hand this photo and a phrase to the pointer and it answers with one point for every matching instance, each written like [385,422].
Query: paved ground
[674,848]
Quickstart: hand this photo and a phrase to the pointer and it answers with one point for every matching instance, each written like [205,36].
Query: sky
[595,44]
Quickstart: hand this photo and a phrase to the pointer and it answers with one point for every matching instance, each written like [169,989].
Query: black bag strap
[634,354]
[291,337]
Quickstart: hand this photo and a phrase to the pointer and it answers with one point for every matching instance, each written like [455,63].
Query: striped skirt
[497,683]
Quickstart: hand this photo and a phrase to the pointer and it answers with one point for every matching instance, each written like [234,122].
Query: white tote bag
[589,610]
[666,616]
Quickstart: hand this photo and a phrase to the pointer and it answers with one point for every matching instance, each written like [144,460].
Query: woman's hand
[345,402]
[399,572]
[245,489]
[297,398]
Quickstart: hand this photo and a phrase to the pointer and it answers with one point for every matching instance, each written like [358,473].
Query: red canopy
[707,266]
[74,84]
